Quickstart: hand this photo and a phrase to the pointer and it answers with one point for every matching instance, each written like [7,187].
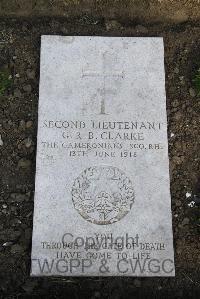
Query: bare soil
[152,11]
[19,55]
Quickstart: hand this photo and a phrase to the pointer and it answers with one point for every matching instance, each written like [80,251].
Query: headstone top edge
[50,36]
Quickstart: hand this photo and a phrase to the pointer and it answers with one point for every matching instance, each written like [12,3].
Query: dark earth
[19,58]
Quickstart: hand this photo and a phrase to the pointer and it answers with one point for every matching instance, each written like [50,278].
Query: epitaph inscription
[102,193]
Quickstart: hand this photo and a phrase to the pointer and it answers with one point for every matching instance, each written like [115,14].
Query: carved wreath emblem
[102,194]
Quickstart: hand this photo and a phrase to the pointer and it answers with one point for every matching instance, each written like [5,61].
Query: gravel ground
[19,59]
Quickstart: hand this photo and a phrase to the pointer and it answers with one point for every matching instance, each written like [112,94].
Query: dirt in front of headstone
[19,68]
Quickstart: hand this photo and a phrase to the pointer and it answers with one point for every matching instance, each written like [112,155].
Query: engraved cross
[103,75]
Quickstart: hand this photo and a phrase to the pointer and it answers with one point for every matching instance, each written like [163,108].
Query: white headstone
[102,193]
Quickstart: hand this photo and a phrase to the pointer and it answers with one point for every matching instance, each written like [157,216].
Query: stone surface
[1,141]
[29,124]
[192,92]
[102,199]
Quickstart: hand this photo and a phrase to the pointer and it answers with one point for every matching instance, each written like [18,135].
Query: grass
[196,81]
[5,81]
